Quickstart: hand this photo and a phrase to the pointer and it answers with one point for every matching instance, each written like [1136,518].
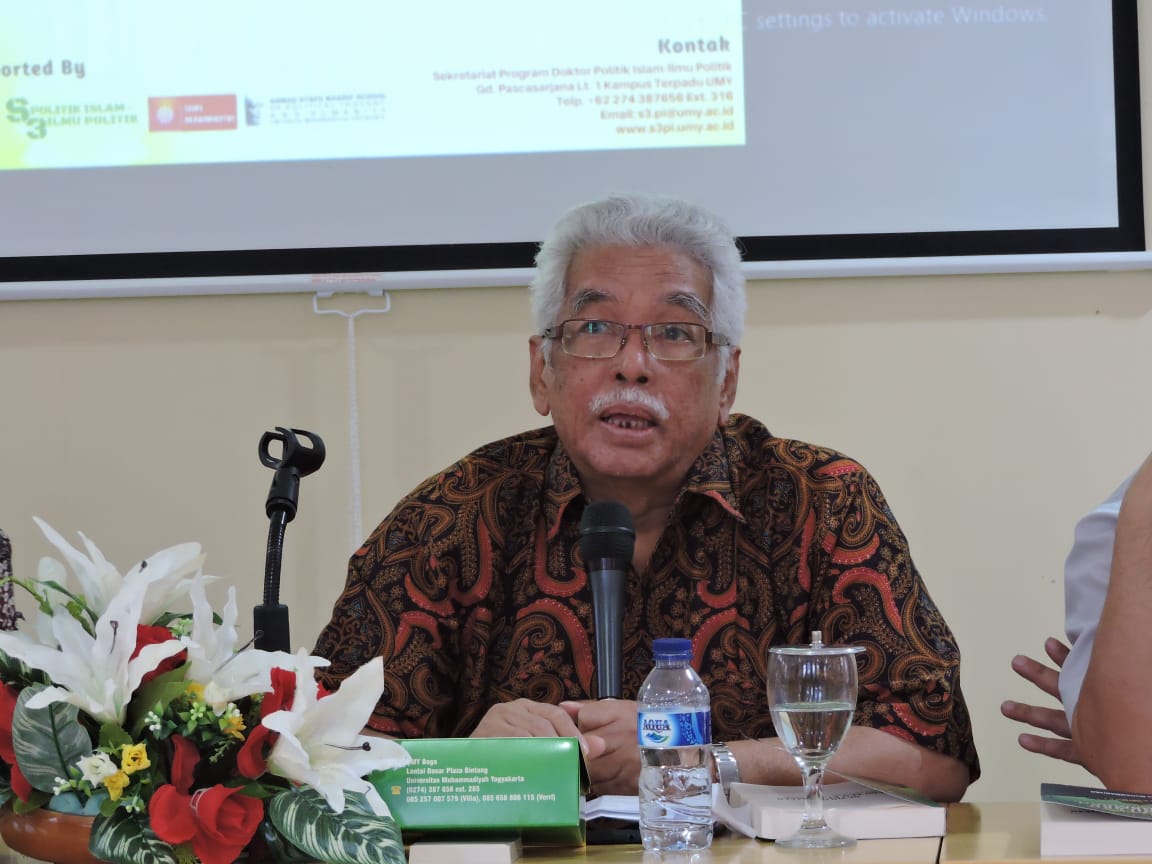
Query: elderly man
[475,593]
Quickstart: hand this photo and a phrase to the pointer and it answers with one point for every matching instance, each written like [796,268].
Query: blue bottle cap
[672,649]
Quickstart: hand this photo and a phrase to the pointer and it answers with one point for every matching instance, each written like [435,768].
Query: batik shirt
[474,592]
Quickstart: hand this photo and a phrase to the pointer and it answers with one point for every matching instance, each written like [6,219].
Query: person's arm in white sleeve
[1114,712]
[1085,585]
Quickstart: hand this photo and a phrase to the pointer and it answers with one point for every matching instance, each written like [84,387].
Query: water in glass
[812,694]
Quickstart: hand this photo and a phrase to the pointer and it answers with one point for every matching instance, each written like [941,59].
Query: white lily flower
[321,744]
[50,570]
[99,580]
[161,579]
[96,673]
[226,674]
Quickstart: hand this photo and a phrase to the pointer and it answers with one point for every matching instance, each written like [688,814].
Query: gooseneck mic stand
[270,619]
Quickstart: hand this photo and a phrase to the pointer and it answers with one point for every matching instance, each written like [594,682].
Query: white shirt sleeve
[1085,584]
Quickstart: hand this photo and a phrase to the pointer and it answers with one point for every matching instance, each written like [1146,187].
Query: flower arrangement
[185,746]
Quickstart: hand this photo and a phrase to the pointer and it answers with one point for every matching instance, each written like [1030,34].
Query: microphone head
[606,532]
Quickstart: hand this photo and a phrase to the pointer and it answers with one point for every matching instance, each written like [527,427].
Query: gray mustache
[630,396]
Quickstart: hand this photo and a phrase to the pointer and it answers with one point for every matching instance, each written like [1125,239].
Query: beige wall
[994,410]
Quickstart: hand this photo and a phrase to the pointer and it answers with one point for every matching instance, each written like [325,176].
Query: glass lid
[817,646]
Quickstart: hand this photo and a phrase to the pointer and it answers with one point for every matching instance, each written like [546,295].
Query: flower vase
[61,838]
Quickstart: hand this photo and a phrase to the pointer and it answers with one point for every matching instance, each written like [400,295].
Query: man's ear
[538,373]
[728,386]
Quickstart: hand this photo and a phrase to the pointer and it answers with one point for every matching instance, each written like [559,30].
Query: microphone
[606,542]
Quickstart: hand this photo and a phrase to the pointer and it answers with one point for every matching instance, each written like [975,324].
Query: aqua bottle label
[674,729]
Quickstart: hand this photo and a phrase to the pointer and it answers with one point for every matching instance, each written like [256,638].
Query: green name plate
[526,787]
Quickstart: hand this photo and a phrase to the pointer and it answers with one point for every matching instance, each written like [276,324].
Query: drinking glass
[812,694]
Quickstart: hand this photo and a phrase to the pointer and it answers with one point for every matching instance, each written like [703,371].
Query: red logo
[191,113]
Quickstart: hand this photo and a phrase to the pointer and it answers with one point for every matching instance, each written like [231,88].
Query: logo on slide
[191,113]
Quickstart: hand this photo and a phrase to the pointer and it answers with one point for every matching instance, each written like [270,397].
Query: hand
[615,770]
[524,718]
[1052,720]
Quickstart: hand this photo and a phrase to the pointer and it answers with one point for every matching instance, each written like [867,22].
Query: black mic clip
[296,460]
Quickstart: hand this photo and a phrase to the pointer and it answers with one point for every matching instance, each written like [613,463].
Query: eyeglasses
[664,340]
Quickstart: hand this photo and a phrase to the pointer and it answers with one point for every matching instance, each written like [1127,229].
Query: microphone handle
[271,627]
[608,578]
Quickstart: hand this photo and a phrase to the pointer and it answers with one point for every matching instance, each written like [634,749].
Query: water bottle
[675,733]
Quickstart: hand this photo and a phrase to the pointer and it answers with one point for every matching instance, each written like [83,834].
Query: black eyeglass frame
[710,337]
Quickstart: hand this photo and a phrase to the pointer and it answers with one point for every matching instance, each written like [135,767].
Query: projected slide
[387,136]
[145,83]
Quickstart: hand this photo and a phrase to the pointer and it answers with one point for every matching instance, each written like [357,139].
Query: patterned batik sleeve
[395,605]
[874,597]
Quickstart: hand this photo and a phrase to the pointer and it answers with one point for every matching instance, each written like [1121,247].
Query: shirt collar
[561,487]
[711,475]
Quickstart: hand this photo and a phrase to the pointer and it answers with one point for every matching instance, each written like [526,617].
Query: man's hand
[616,769]
[524,718]
[1052,720]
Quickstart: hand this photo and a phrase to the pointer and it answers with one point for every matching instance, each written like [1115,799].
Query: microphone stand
[270,619]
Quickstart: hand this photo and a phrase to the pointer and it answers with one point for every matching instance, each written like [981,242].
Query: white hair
[640,220]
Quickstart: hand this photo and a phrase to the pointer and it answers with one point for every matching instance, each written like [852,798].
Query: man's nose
[634,363]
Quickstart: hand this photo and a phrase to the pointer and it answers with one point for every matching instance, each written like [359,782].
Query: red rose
[170,814]
[218,822]
[252,760]
[226,819]
[170,807]
[19,782]
[152,634]
[8,698]
[185,758]
[283,692]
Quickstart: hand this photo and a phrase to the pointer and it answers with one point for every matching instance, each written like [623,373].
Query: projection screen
[242,142]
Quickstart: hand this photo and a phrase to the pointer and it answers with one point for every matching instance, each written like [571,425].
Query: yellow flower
[234,726]
[133,758]
[115,784]
[195,690]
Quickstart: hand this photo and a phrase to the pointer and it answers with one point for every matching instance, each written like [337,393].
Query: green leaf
[36,800]
[48,741]
[76,605]
[282,851]
[123,838]
[166,618]
[258,789]
[156,696]
[19,674]
[356,836]
[113,735]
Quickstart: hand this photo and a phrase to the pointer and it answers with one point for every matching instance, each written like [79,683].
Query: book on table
[1085,820]
[859,808]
